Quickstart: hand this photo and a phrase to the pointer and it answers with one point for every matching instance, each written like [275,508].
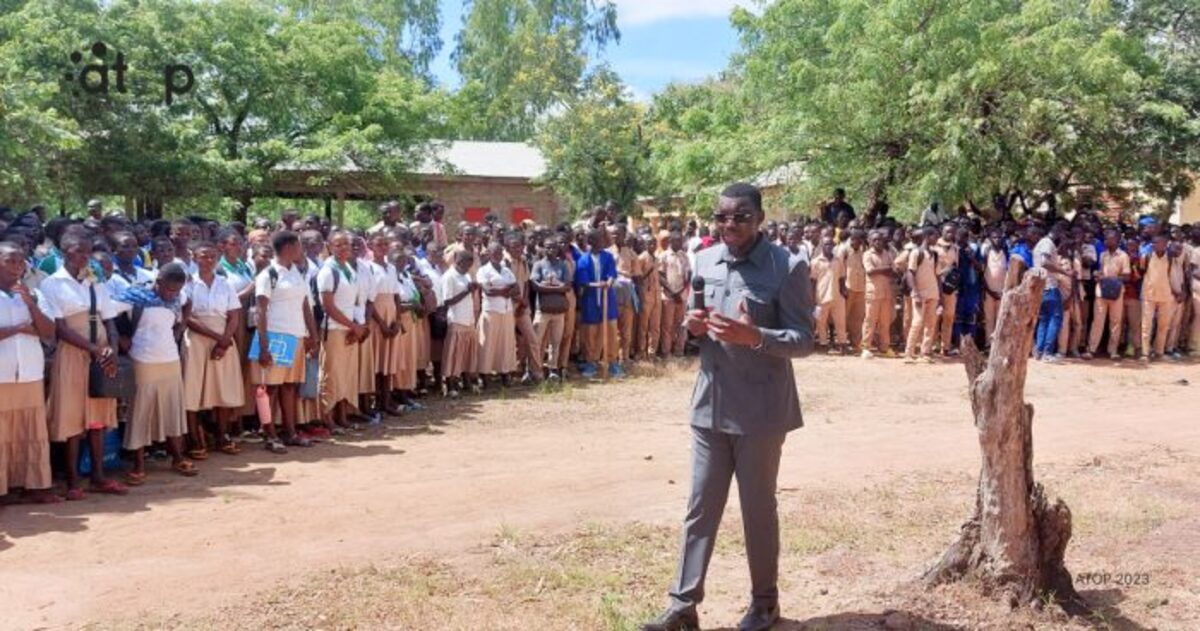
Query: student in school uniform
[995,270]
[212,376]
[828,274]
[126,272]
[1192,258]
[598,267]
[922,277]
[1109,307]
[385,324]
[880,308]
[1133,299]
[26,319]
[340,331]
[71,413]
[551,282]
[158,406]
[282,306]
[675,277]
[408,306]
[571,321]
[851,251]
[528,352]
[650,317]
[364,305]
[1158,298]
[627,277]
[1068,286]
[946,259]
[461,347]
[1179,289]
[497,329]
[239,273]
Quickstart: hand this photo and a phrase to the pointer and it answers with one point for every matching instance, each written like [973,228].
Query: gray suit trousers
[716,458]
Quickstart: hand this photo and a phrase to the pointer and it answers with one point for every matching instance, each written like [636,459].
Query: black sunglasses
[724,218]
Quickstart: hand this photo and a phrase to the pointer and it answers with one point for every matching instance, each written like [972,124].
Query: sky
[662,41]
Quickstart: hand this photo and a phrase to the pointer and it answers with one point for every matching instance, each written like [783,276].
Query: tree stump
[1015,542]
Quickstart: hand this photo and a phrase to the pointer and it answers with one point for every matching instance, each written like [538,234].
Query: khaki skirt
[497,343]
[366,365]
[460,350]
[70,410]
[423,343]
[406,377]
[209,383]
[339,370]
[158,412]
[24,438]
[276,374]
[389,353]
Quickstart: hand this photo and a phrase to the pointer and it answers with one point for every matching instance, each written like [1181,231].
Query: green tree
[521,58]
[922,100]
[594,148]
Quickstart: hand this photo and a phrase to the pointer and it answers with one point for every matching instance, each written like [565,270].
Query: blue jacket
[589,297]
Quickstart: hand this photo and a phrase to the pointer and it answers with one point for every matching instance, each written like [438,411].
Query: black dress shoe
[759,618]
[675,620]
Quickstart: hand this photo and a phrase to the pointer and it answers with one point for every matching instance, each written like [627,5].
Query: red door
[521,214]
[475,215]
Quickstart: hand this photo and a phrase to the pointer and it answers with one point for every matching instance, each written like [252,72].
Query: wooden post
[604,358]
[1015,541]
[341,209]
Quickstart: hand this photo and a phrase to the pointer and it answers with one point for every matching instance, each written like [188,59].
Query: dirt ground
[560,509]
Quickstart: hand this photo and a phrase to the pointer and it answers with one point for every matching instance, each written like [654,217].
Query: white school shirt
[435,276]
[141,277]
[407,288]
[463,311]
[237,281]
[154,340]
[365,281]
[285,312]
[21,358]
[216,300]
[489,278]
[69,296]
[346,296]
[191,268]
[384,277]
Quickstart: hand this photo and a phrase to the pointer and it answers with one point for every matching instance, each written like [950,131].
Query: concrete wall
[1189,209]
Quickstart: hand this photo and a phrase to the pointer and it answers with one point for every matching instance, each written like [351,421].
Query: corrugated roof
[486,159]
[468,158]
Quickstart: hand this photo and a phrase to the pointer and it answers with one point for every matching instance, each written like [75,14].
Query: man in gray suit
[758,317]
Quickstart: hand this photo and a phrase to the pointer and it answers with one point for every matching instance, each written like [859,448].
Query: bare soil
[560,509]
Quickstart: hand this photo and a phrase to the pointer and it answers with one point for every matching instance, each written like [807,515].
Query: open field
[560,509]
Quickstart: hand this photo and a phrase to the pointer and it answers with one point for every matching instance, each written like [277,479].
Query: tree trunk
[1015,542]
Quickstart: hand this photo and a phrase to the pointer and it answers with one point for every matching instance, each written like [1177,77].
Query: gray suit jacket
[741,390]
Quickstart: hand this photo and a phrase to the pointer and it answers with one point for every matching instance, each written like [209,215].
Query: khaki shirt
[856,271]
[675,266]
[828,273]
[878,286]
[947,257]
[995,269]
[649,271]
[1156,285]
[925,280]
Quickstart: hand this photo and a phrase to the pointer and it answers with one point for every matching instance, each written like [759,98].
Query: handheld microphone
[698,293]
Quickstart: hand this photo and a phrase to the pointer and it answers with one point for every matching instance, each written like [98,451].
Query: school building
[472,179]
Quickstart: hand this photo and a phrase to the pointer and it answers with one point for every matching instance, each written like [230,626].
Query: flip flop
[110,487]
[135,479]
[74,495]
[41,497]
[198,454]
[298,441]
[185,468]
[275,447]
[231,449]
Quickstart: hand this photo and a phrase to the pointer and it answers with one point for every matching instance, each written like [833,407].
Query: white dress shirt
[345,297]
[21,358]
[69,296]
[489,278]
[154,340]
[285,312]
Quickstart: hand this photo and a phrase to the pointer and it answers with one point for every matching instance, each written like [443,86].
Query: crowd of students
[1122,290]
[294,332]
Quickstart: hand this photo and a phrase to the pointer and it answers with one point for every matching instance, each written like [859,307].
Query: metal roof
[485,159]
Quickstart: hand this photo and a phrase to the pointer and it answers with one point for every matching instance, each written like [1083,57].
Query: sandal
[42,496]
[135,479]
[199,453]
[185,468]
[231,448]
[74,495]
[110,487]
[298,441]
[274,446]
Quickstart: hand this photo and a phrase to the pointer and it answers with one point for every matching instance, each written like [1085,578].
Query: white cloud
[640,12]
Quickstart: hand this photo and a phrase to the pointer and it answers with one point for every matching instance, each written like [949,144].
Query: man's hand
[264,356]
[741,331]
[696,322]
[311,345]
